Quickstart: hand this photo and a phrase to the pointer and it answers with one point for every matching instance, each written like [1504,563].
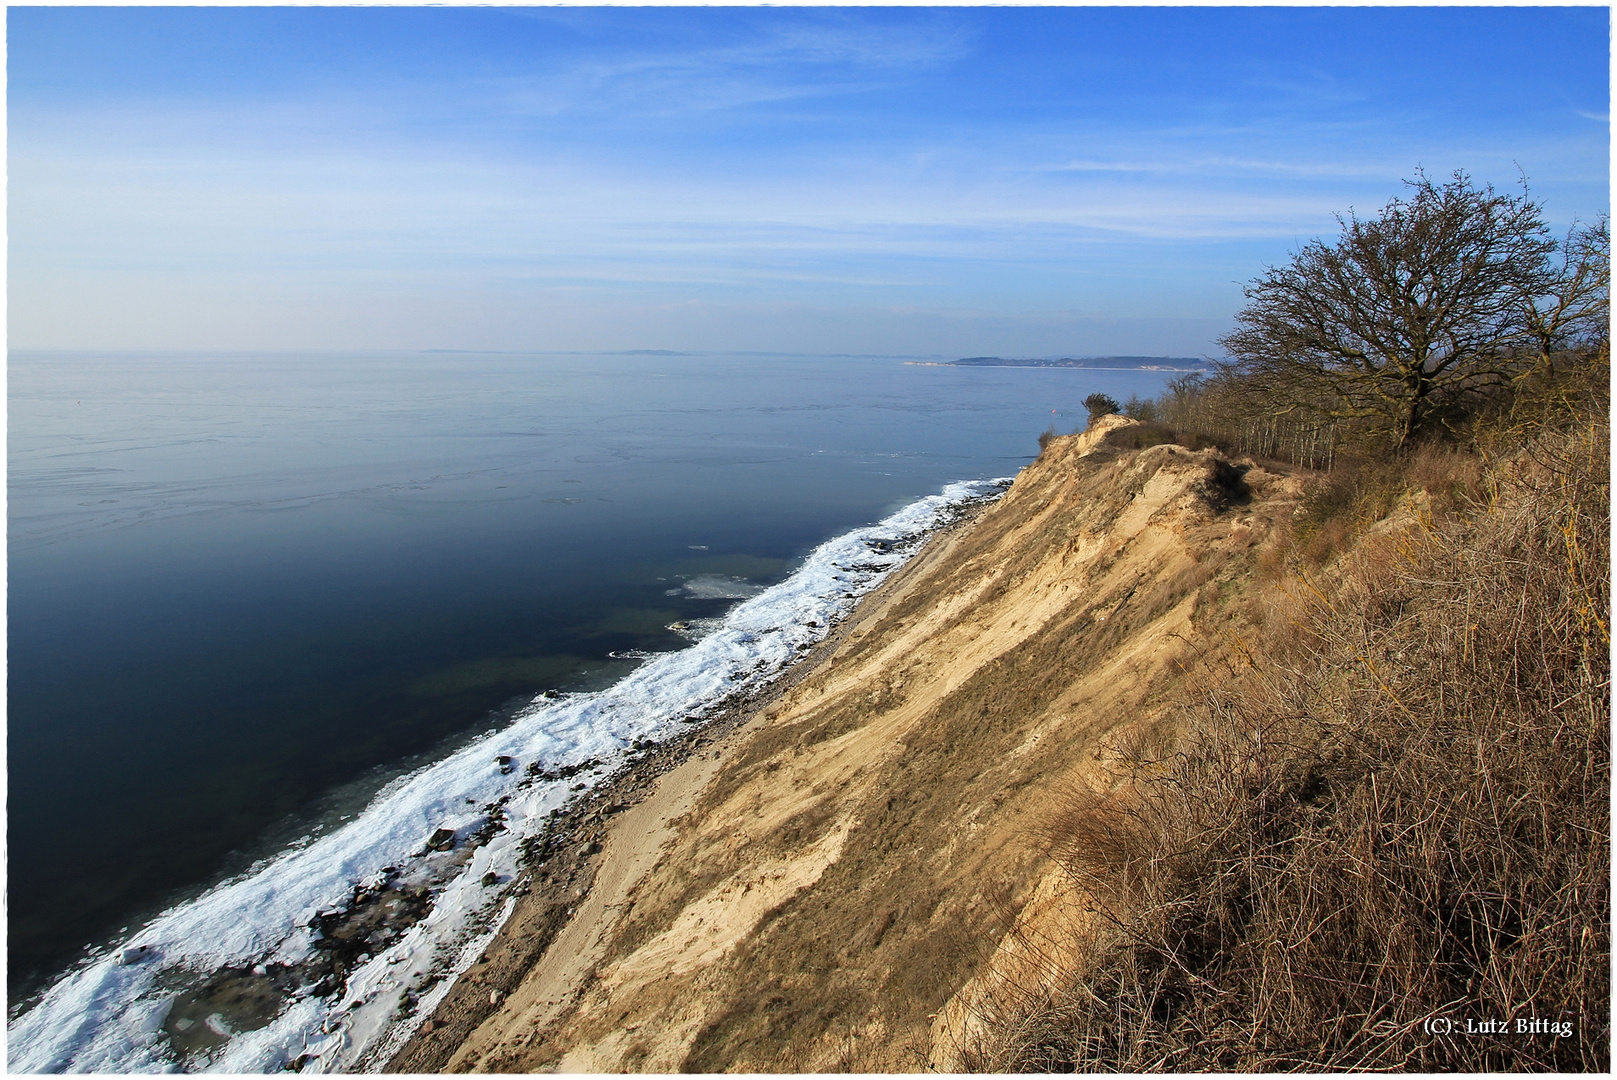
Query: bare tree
[1407,314]
[1576,314]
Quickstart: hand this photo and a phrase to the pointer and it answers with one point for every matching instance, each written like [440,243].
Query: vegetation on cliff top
[1450,309]
[1389,827]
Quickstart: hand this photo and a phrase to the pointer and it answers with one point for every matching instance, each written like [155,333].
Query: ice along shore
[331,955]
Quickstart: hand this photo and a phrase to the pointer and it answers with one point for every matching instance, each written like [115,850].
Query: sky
[912,181]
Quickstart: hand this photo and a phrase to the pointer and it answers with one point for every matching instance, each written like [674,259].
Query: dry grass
[1395,821]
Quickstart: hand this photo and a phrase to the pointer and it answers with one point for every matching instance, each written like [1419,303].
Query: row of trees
[1450,303]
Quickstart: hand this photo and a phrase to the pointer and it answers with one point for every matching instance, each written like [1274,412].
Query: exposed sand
[844,877]
[632,844]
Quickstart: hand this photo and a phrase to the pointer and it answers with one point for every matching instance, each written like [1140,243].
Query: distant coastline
[1121,363]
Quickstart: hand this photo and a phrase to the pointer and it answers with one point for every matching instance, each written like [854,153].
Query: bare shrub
[1140,408]
[1340,504]
[1451,475]
[1141,435]
[1224,483]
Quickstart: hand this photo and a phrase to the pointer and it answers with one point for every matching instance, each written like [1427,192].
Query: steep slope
[831,887]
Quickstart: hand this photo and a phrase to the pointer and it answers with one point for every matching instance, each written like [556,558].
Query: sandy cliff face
[837,886]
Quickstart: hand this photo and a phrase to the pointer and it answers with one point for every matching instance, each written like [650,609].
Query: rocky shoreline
[560,867]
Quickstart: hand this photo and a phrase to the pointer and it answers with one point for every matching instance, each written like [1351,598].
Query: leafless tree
[1409,314]
[1576,314]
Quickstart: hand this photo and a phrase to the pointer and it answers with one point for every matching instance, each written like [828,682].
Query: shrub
[1100,405]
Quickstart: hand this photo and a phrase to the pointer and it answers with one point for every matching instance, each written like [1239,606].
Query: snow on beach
[109,1016]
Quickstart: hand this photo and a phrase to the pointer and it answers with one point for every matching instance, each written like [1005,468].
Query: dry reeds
[1386,841]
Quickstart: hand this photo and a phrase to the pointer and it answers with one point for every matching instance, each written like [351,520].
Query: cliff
[836,884]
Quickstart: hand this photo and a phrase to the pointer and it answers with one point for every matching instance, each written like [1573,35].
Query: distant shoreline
[1185,364]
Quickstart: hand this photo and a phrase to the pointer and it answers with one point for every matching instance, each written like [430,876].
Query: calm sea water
[246,591]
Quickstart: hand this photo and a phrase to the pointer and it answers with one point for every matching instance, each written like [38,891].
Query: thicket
[1389,827]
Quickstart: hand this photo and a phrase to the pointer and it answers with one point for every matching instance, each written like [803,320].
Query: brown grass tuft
[1395,824]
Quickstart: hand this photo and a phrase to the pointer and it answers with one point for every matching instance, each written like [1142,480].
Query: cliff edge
[835,884]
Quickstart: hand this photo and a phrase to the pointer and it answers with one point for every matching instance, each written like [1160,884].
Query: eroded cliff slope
[833,886]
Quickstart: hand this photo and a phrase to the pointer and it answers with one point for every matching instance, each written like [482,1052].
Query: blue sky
[915,181]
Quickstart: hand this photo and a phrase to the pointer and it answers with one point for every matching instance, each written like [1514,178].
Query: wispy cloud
[807,56]
[1224,165]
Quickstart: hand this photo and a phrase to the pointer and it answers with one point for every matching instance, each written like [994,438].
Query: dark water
[244,591]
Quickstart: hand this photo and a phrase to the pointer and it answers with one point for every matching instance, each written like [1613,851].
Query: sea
[274,621]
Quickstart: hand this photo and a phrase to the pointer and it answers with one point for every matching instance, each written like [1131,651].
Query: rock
[441,840]
[490,878]
[493,997]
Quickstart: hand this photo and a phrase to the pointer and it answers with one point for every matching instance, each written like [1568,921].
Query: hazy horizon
[949,181]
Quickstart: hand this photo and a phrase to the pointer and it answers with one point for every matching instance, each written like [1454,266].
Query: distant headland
[1136,363]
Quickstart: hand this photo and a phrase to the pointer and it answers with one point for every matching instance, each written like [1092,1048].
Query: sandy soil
[846,876]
